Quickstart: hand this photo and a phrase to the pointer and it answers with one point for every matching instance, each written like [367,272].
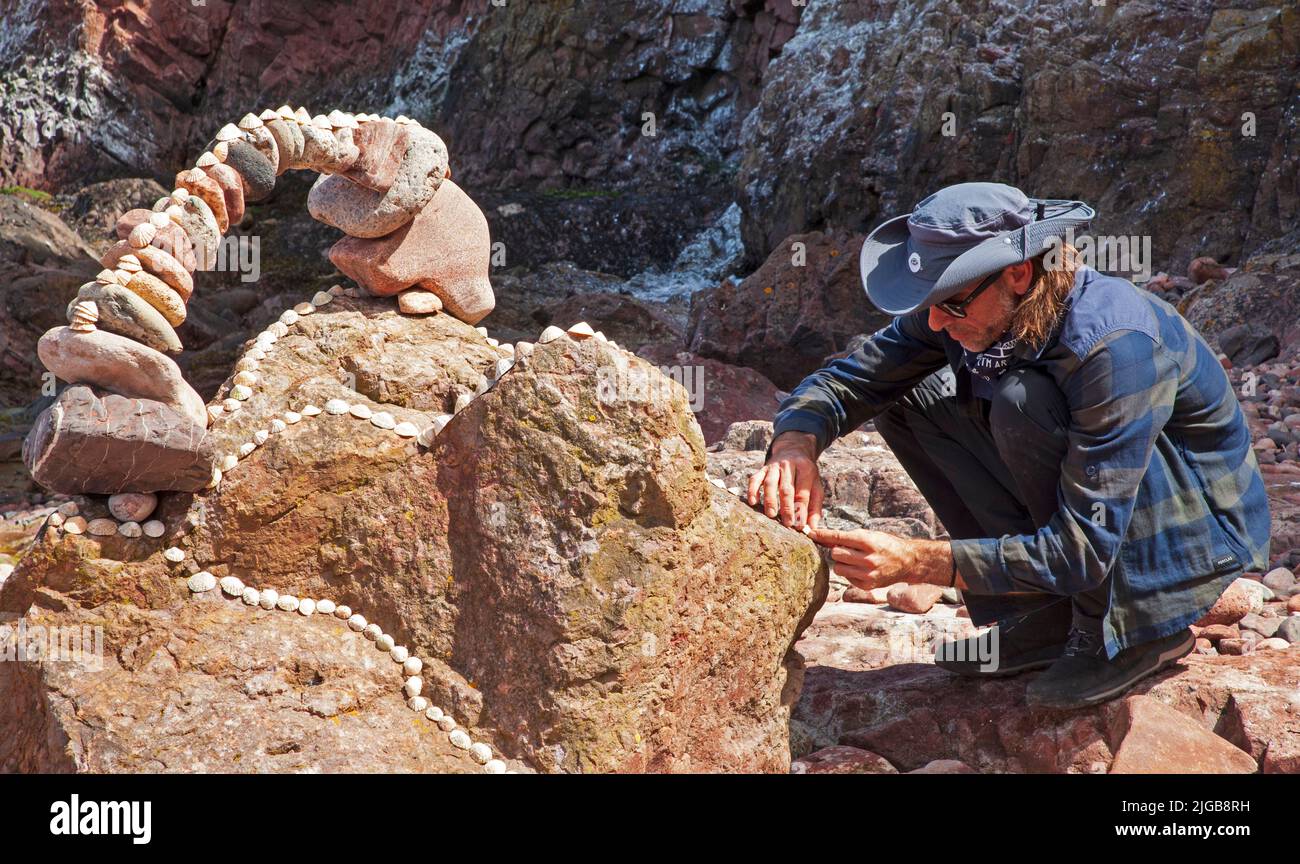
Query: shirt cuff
[801,421]
[979,561]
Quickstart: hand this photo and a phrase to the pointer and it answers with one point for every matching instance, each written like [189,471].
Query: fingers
[858,577]
[771,485]
[786,487]
[854,557]
[755,482]
[814,511]
[831,537]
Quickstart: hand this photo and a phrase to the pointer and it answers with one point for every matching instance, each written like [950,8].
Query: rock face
[1157,739]
[577,590]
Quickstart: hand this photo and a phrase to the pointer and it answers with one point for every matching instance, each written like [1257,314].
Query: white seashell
[101,527]
[221,150]
[174,555]
[337,119]
[85,314]
[383,420]
[245,377]
[201,581]
[600,337]
[406,430]
[462,402]
[495,766]
[180,196]
[250,121]
[434,713]
[581,330]
[460,739]
[277,425]
[325,607]
[446,724]
[232,586]
[247,364]
[412,665]
[320,121]
[56,519]
[413,685]
[495,343]
[344,612]
[335,406]
[403,119]
[229,132]
[270,597]
[129,529]
[285,111]
[287,603]
[480,752]
[255,353]
[240,392]
[550,334]
[266,339]
[322,298]
[306,606]
[216,478]
[207,160]
[357,623]
[301,115]
[372,632]
[484,385]
[426,437]
[509,349]
[309,411]
[279,328]
[268,114]
[503,366]
[440,422]
[482,331]
[384,642]
[336,289]
[359,411]
[231,405]
[721,484]
[399,653]
[108,277]
[292,417]
[229,461]
[75,525]
[215,411]
[142,235]
[153,528]
[417,703]
[304,309]
[260,436]
[246,448]
[251,596]
[68,508]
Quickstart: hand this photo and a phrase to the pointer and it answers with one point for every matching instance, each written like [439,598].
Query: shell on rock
[406,429]
[383,420]
[484,385]
[292,417]
[101,527]
[85,315]
[255,353]
[153,528]
[246,448]
[336,289]
[285,111]
[174,555]
[108,277]
[142,235]
[306,606]
[250,121]
[581,330]
[277,425]
[288,603]
[231,404]
[503,366]
[550,334]
[201,581]
[413,685]
[129,529]
[310,410]
[229,461]
[320,121]
[446,724]
[75,525]
[260,436]
[325,607]
[344,612]
[69,508]
[495,343]
[384,642]
[412,665]
[462,402]
[357,623]
[373,632]
[251,596]
[600,337]
[279,328]
[240,392]
[247,364]
[426,437]
[721,484]
[221,150]
[265,340]
[207,160]
[303,309]
[335,407]
[417,703]
[482,331]
[459,739]
[495,766]
[301,115]
[215,411]
[399,653]
[229,132]
[360,411]
[270,114]
[322,298]
[270,597]
[480,752]
[232,586]
[434,713]
[509,349]
[56,519]
[245,377]
[216,478]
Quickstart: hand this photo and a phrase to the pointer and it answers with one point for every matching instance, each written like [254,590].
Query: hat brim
[895,290]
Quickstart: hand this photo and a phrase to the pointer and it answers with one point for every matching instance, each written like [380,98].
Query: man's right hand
[789,484]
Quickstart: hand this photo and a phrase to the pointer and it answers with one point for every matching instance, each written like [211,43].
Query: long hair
[1043,305]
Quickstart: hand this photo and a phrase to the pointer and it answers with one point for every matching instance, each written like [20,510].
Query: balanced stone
[131,444]
[173,240]
[382,144]
[320,147]
[197,182]
[200,225]
[132,506]
[122,366]
[445,248]
[156,261]
[126,313]
[289,139]
[256,172]
[418,301]
[232,188]
[128,220]
[160,296]
[361,209]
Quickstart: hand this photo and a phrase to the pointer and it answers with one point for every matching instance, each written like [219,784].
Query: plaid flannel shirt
[1160,489]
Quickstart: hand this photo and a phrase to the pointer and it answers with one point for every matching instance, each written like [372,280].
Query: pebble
[75,525]
[132,506]
[1272,644]
[201,581]
[917,599]
[1289,629]
[418,301]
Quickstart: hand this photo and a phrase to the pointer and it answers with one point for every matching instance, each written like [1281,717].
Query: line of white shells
[68,519]
[413,685]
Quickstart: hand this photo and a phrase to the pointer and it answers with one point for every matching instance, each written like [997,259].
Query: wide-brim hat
[957,235]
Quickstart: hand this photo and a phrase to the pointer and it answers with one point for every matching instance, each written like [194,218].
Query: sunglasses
[958,309]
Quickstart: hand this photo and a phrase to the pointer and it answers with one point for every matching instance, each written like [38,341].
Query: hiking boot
[1083,676]
[1006,648]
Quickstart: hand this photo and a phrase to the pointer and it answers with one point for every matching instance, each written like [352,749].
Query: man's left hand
[875,559]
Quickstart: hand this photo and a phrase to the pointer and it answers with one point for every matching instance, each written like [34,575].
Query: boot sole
[1166,658]
[1000,672]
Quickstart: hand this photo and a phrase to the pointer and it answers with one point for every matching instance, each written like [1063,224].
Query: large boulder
[581,596]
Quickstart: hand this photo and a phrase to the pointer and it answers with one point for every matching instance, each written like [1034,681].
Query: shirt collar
[1024,351]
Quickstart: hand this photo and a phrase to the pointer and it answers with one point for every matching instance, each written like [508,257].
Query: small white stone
[335,407]
[495,766]
[251,596]
[480,752]
[287,603]
[289,317]
[260,437]
[412,665]
[550,334]
[372,632]
[413,686]
[269,598]
[292,417]
[360,411]
[229,461]
[153,528]
[446,724]
[174,555]
[399,653]
[406,429]
[247,448]
[306,606]
[322,298]
[459,739]
[383,420]
[231,405]
[201,581]
[240,392]
[325,607]
[303,309]
[344,612]
[384,642]
[277,426]
[129,529]
[309,411]
[357,623]
[417,703]
[434,713]
[232,586]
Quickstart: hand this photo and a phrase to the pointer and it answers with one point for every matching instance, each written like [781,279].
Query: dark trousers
[992,474]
